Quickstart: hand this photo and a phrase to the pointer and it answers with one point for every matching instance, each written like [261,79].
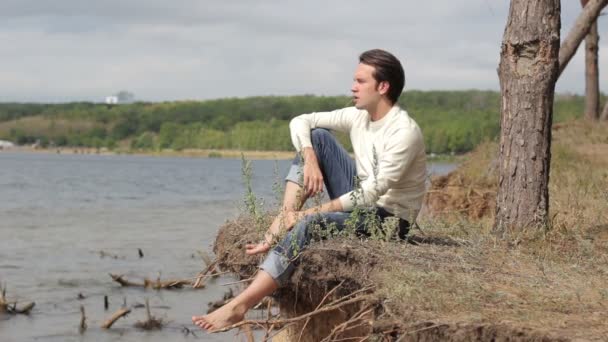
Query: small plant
[277,185]
[252,204]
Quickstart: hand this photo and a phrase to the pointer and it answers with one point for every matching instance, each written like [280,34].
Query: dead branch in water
[123,282]
[118,314]
[168,284]
[82,327]
[25,310]
[199,280]
[206,259]
[11,307]
[104,254]
[210,267]
[151,322]
[3,300]
[154,284]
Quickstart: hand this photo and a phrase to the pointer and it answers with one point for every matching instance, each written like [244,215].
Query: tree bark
[605,112]
[528,71]
[592,82]
[581,27]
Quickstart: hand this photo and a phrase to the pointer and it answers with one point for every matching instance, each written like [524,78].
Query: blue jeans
[339,172]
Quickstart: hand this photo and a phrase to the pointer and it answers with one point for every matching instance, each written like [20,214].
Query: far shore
[193,153]
[199,153]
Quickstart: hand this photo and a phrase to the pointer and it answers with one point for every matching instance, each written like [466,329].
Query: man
[390,161]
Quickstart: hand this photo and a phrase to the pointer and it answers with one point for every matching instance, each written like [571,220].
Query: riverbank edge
[193,153]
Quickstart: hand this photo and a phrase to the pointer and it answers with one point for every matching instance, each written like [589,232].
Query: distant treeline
[451,121]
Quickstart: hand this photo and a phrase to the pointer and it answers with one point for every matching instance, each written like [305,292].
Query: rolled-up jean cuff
[278,267]
[294,174]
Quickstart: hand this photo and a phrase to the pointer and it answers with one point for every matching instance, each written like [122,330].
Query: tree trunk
[605,112]
[528,71]
[581,27]
[592,82]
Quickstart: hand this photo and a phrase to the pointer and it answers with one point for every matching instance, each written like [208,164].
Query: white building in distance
[111,99]
[6,144]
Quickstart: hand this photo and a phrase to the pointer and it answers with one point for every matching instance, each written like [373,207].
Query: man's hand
[257,248]
[313,178]
[282,223]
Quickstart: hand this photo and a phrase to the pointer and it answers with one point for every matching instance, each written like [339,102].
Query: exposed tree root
[282,322]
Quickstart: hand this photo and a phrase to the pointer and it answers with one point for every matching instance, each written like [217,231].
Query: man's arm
[338,120]
[285,221]
[300,128]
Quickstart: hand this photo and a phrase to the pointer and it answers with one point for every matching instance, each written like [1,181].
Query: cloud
[69,50]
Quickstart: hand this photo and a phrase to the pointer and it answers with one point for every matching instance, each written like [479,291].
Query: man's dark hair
[387,69]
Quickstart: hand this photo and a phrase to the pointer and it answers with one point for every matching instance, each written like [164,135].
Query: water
[57,212]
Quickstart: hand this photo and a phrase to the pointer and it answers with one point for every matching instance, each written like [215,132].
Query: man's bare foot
[220,318]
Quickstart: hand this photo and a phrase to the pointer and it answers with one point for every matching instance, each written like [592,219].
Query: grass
[553,279]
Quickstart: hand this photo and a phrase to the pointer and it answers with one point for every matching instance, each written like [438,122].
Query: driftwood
[578,32]
[211,266]
[168,284]
[24,309]
[154,284]
[82,327]
[151,322]
[11,307]
[104,254]
[124,282]
[107,324]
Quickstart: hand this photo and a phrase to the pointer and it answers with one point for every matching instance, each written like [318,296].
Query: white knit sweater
[389,153]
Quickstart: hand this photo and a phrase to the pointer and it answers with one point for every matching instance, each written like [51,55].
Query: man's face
[365,88]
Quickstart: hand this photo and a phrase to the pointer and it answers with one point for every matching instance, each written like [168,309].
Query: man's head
[378,75]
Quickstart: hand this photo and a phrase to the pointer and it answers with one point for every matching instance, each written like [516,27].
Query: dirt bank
[445,290]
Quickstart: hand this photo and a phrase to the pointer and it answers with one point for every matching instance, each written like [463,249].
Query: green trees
[452,121]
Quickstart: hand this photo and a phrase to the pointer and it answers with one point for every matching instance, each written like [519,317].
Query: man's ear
[383,87]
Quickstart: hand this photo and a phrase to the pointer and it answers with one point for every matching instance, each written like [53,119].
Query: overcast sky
[74,50]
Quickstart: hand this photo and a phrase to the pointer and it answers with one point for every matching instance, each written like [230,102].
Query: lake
[58,213]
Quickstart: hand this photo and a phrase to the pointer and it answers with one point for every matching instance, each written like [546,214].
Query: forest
[451,121]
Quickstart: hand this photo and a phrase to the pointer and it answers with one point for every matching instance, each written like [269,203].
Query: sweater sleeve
[337,120]
[401,149]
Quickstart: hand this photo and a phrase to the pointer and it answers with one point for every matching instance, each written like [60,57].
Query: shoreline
[196,153]
[193,153]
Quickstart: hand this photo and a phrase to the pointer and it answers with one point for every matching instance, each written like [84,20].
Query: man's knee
[320,135]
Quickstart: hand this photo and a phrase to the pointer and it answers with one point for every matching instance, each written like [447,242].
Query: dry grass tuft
[468,192]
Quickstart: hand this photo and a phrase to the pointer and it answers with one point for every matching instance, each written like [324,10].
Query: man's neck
[380,110]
